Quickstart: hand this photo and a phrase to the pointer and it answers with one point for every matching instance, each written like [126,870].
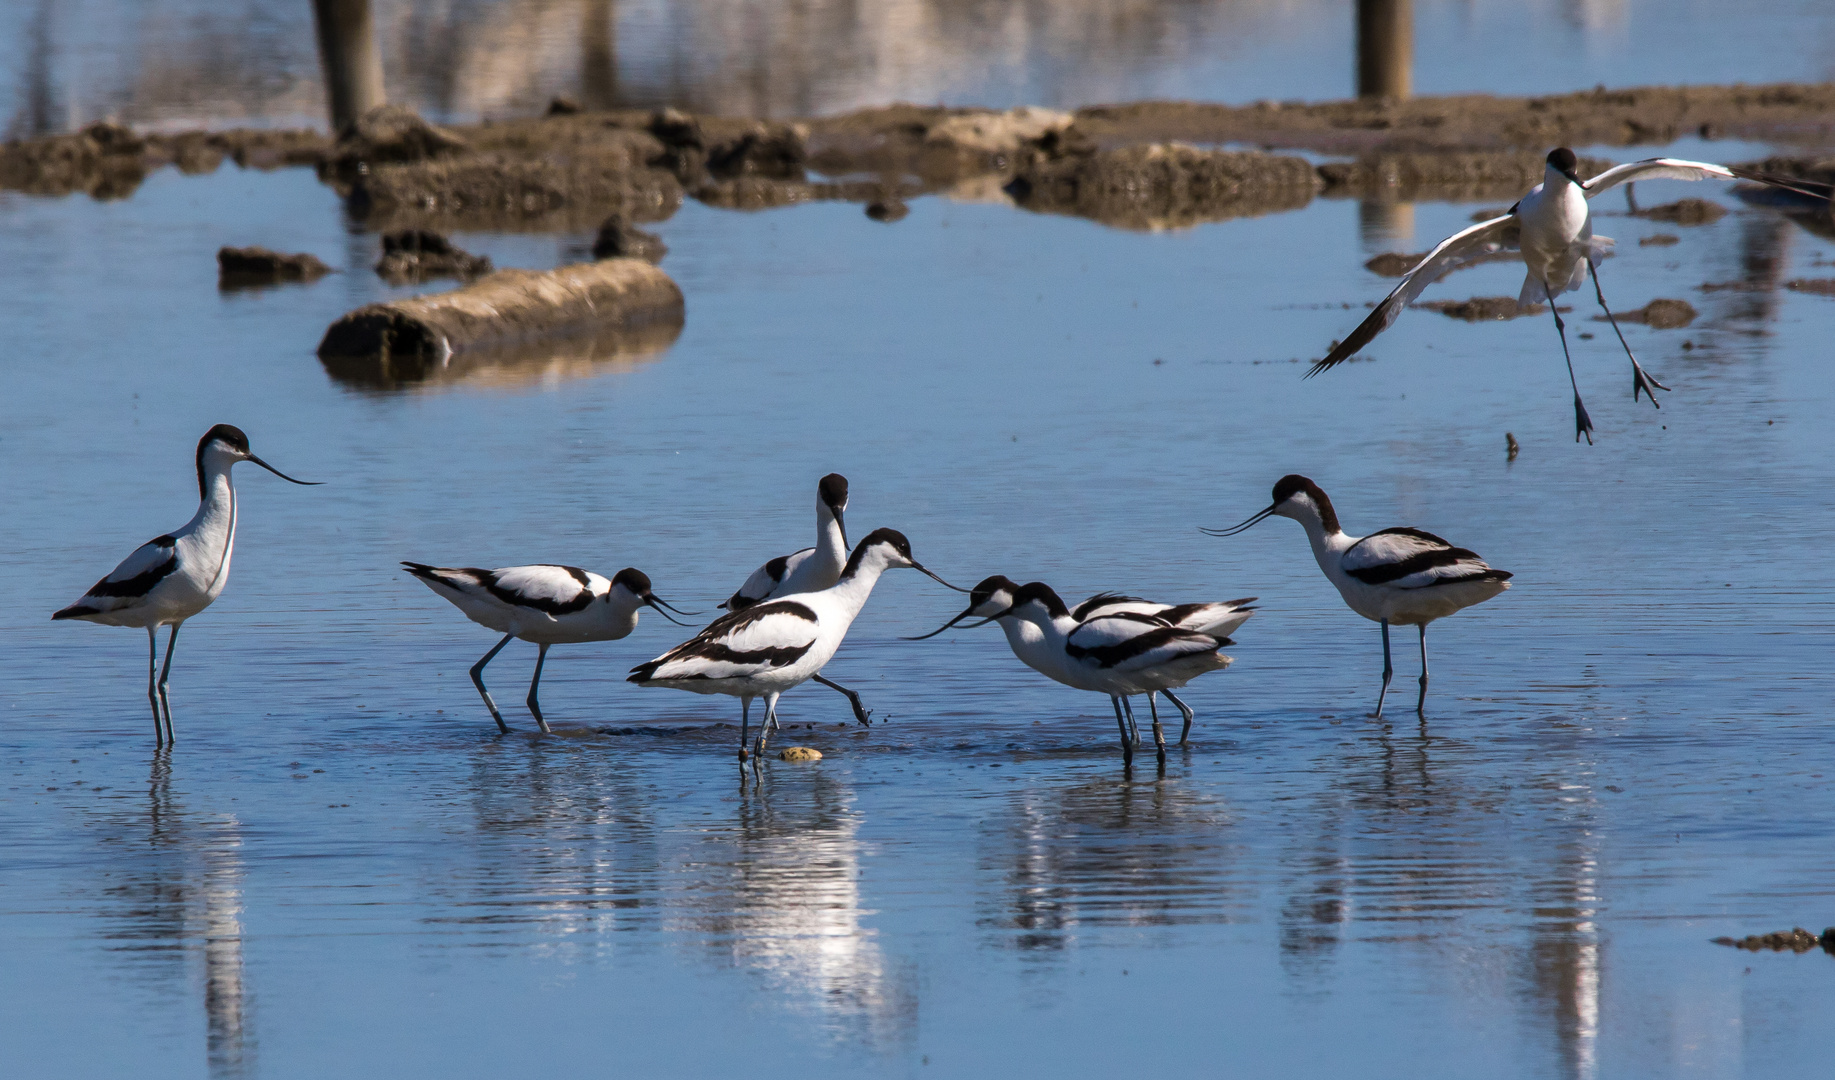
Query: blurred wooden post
[1385,48]
[599,54]
[348,53]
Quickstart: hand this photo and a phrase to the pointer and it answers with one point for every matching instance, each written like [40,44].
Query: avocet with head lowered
[543,604]
[810,569]
[1118,653]
[1553,228]
[1402,576]
[765,649]
[172,577]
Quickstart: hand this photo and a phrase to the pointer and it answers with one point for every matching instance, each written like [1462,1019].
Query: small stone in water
[799,753]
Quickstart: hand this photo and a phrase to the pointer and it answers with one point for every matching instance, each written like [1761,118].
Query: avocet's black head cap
[886,536]
[634,580]
[1564,162]
[228,434]
[1294,484]
[1044,594]
[985,590]
[833,489]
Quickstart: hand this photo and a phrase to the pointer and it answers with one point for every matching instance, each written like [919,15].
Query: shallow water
[186,62]
[1624,756]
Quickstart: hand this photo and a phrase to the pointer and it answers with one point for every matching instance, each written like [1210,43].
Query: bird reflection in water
[184,889]
[779,894]
[1105,852]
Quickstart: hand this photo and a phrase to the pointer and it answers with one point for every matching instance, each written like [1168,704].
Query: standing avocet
[172,577]
[765,649]
[1118,654]
[1216,618]
[1553,227]
[543,604]
[810,569]
[1402,575]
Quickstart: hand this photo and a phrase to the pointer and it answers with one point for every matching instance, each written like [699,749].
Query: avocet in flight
[1553,228]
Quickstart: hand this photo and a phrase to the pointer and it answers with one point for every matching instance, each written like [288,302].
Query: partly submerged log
[510,309]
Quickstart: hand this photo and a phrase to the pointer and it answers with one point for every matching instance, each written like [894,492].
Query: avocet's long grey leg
[861,713]
[765,729]
[159,732]
[535,706]
[165,672]
[1420,705]
[477,679]
[1583,424]
[1185,711]
[1159,733]
[1388,671]
[1127,744]
[745,728]
[1641,382]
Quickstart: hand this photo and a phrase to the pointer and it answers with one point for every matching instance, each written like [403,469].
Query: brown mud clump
[1686,212]
[1162,186]
[1658,315]
[618,238]
[887,210]
[413,255]
[508,308]
[1485,308]
[1396,263]
[1815,286]
[252,267]
[388,134]
[1661,239]
[1797,940]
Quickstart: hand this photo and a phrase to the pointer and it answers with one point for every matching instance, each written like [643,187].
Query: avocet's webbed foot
[1642,383]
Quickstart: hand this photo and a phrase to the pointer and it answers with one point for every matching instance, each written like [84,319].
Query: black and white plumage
[1113,650]
[172,577]
[545,604]
[1552,226]
[809,570]
[1404,575]
[766,648]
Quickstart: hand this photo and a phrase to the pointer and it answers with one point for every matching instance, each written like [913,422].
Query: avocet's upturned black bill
[765,649]
[1403,576]
[172,577]
[1552,227]
[544,604]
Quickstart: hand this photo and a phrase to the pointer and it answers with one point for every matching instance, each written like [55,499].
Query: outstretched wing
[128,584]
[1449,255]
[1655,169]
[758,639]
[1413,559]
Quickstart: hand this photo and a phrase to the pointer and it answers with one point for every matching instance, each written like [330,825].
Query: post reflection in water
[184,889]
[779,893]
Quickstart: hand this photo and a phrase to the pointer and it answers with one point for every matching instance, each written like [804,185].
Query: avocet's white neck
[831,545]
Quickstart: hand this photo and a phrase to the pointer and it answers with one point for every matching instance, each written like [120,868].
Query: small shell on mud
[799,753]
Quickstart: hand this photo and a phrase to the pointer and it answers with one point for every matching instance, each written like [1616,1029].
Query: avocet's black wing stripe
[760,638]
[1407,558]
[1132,646]
[1447,256]
[764,581]
[548,588]
[150,564]
[1102,600]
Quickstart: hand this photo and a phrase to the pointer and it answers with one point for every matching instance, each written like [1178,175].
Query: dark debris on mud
[1485,308]
[1796,940]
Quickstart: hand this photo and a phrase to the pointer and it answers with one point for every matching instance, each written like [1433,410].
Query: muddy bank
[1797,940]
[1161,186]
[507,309]
[1485,308]
[1449,176]
[109,161]
[1787,112]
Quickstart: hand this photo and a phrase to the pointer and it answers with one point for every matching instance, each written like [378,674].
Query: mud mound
[413,255]
[1163,186]
[618,238]
[494,191]
[1658,315]
[249,267]
[1797,940]
[1485,308]
[1817,286]
[1686,212]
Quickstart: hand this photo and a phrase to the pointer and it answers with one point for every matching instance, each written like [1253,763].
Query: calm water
[179,62]
[343,870]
